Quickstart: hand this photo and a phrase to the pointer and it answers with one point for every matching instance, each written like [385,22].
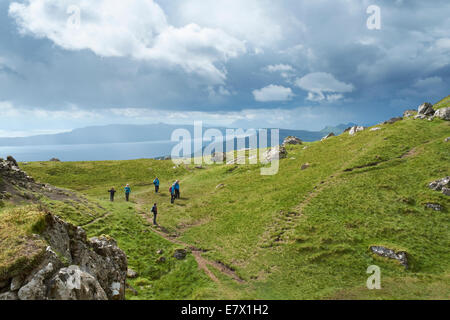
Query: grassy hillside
[300,234]
[444,103]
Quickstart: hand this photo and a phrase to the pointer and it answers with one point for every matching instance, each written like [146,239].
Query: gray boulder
[443,113]
[393,120]
[292,140]
[35,289]
[426,109]
[437,185]
[218,157]
[131,274]
[400,256]
[9,295]
[180,254]
[97,267]
[446,191]
[353,130]
[434,206]
[420,117]
[74,284]
[409,113]
[305,166]
[328,136]
[278,152]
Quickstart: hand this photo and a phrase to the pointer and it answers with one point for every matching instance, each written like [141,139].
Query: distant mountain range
[140,133]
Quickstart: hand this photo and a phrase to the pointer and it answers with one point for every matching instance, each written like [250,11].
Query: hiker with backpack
[111,191]
[177,189]
[127,192]
[156,183]
[172,194]
[155,212]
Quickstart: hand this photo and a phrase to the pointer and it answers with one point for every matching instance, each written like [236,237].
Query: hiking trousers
[127,196]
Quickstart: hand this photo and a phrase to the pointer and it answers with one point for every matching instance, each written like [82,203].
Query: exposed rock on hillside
[443,113]
[218,157]
[426,109]
[437,185]
[292,140]
[401,256]
[409,113]
[278,152]
[353,130]
[393,120]
[71,268]
[328,136]
[17,186]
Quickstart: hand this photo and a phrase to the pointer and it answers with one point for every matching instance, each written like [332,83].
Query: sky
[293,64]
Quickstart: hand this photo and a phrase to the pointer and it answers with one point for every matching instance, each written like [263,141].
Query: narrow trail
[95,220]
[202,262]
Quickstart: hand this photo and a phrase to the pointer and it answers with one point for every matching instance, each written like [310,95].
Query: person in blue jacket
[156,183]
[177,189]
[127,192]
[172,194]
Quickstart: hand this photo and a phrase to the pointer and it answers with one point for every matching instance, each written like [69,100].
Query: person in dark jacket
[155,212]
[177,189]
[112,191]
[156,183]
[127,192]
[172,194]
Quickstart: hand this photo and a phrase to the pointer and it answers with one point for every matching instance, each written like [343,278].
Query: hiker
[112,191]
[127,192]
[156,183]
[172,194]
[155,212]
[177,189]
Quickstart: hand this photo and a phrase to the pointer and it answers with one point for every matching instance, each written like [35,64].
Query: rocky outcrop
[353,130]
[72,268]
[278,152]
[393,120]
[328,136]
[426,109]
[292,141]
[219,157]
[409,113]
[305,166]
[443,113]
[400,256]
[375,129]
[434,206]
[441,185]
[10,172]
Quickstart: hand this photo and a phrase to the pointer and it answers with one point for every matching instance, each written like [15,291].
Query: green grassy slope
[444,103]
[300,234]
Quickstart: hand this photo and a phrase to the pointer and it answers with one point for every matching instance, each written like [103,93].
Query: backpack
[170,189]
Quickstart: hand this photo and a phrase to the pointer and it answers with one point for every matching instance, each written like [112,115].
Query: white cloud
[323,86]
[443,43]
[273,93]
[279,68]
[138,29]
[256,21]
